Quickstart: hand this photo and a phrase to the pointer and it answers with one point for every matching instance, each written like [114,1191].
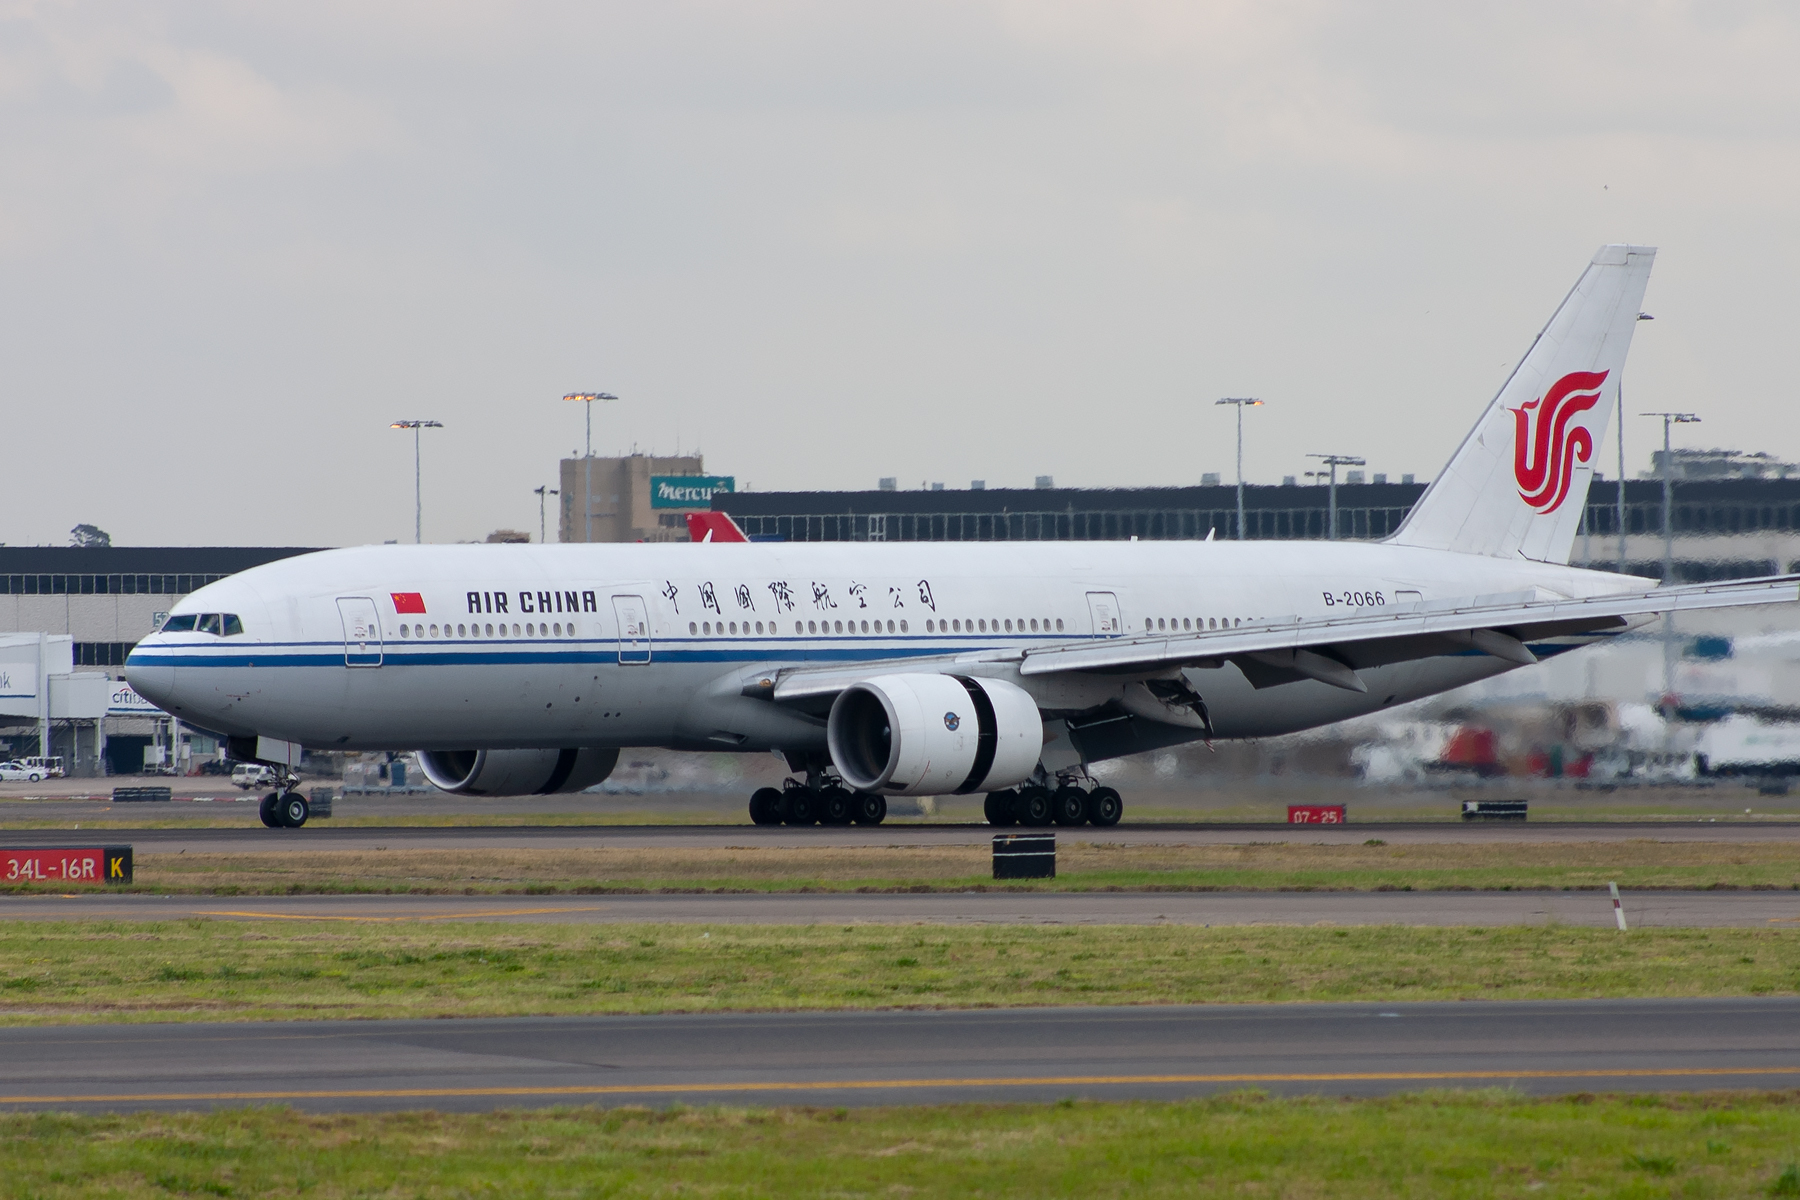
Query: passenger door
[1104,608]
[634,628]
[362,631]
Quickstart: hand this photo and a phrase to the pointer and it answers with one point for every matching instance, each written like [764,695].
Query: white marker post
[1618,909]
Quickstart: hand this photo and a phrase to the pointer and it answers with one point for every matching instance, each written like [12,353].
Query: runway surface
[845,1058]
[1747,909]
[323,836]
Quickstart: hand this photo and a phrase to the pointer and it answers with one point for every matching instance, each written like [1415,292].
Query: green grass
[53,972]
[1446,1144]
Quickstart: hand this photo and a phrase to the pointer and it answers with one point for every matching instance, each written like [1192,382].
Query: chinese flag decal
[408,602]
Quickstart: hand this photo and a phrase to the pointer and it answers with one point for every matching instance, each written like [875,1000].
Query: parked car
[12,771]
[253,775]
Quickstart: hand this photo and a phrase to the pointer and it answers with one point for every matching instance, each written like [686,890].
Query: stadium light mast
[1668,524]
[1238,402]
[1643,316]
[1334,461]
[587,478]
[546,489]
[1668,488]
[418,495]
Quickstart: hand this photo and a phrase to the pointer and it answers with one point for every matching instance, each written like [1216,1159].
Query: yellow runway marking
[496,912]
[882,1084]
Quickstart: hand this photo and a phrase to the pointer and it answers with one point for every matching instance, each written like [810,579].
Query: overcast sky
[827,242]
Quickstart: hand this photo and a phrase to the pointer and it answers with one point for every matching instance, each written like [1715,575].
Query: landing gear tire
[765,806]
[870,808]
[1069,806]
[837,806]
[293,810]
[270,810]
[1104,807]
[1033,806]
[799,806]
[998,808]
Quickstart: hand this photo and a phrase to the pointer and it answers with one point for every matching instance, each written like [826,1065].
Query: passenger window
[233,626]
[490,631]
[209,623]
[434,631]
[903,627]
[840,626]
[693,627]
[1059,624]
[462,631]
[405,631]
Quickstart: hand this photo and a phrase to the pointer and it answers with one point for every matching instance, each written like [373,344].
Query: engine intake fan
[931,735]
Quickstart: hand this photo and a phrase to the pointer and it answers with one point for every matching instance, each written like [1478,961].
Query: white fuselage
[653,645]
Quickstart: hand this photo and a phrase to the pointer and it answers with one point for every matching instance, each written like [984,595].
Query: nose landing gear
[286,809]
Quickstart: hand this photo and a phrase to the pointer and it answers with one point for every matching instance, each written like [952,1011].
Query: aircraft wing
[1328,649]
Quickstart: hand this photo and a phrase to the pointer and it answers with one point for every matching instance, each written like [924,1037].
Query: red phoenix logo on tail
[1547,444]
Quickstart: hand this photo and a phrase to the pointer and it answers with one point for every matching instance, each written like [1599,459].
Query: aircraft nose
[154,683]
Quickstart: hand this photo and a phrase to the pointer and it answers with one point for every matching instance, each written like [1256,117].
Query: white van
[253,775]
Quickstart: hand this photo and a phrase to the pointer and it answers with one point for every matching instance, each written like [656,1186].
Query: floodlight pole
[1643,316]
[587,480]
[1238,402]
[1334,461]
[1668,513]
[1668,488]
[541,491]
[418,494]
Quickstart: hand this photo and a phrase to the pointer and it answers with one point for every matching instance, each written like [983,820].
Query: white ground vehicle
[253,775]
[13,771]
[50,768]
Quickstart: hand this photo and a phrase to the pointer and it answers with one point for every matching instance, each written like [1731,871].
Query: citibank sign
[688,491]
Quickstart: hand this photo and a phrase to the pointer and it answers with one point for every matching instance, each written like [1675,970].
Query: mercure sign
[688,491]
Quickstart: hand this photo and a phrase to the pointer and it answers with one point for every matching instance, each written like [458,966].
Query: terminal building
[1723,527]
[68,618]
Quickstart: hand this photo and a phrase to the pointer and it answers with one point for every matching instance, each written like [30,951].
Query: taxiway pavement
[1717,909]
[889,1057]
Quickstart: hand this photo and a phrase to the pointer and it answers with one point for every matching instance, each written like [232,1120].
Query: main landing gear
[819,801]
[1064,804]
[286,809]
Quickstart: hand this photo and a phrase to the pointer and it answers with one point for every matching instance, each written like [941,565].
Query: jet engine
[516,772]
[928,735]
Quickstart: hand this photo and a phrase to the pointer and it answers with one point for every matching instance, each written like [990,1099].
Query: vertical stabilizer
[1517,484]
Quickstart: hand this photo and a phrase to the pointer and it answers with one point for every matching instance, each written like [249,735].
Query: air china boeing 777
[930,668]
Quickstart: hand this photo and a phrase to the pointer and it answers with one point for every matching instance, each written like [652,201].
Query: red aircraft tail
[714,527]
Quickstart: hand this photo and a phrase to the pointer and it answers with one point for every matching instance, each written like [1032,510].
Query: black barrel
[1024,856]
[1493,810]
[138,795]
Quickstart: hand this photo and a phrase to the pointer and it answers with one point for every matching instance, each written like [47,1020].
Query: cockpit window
[218,624]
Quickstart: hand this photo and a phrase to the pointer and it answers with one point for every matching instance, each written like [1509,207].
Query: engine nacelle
[930,735]
[516,772]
